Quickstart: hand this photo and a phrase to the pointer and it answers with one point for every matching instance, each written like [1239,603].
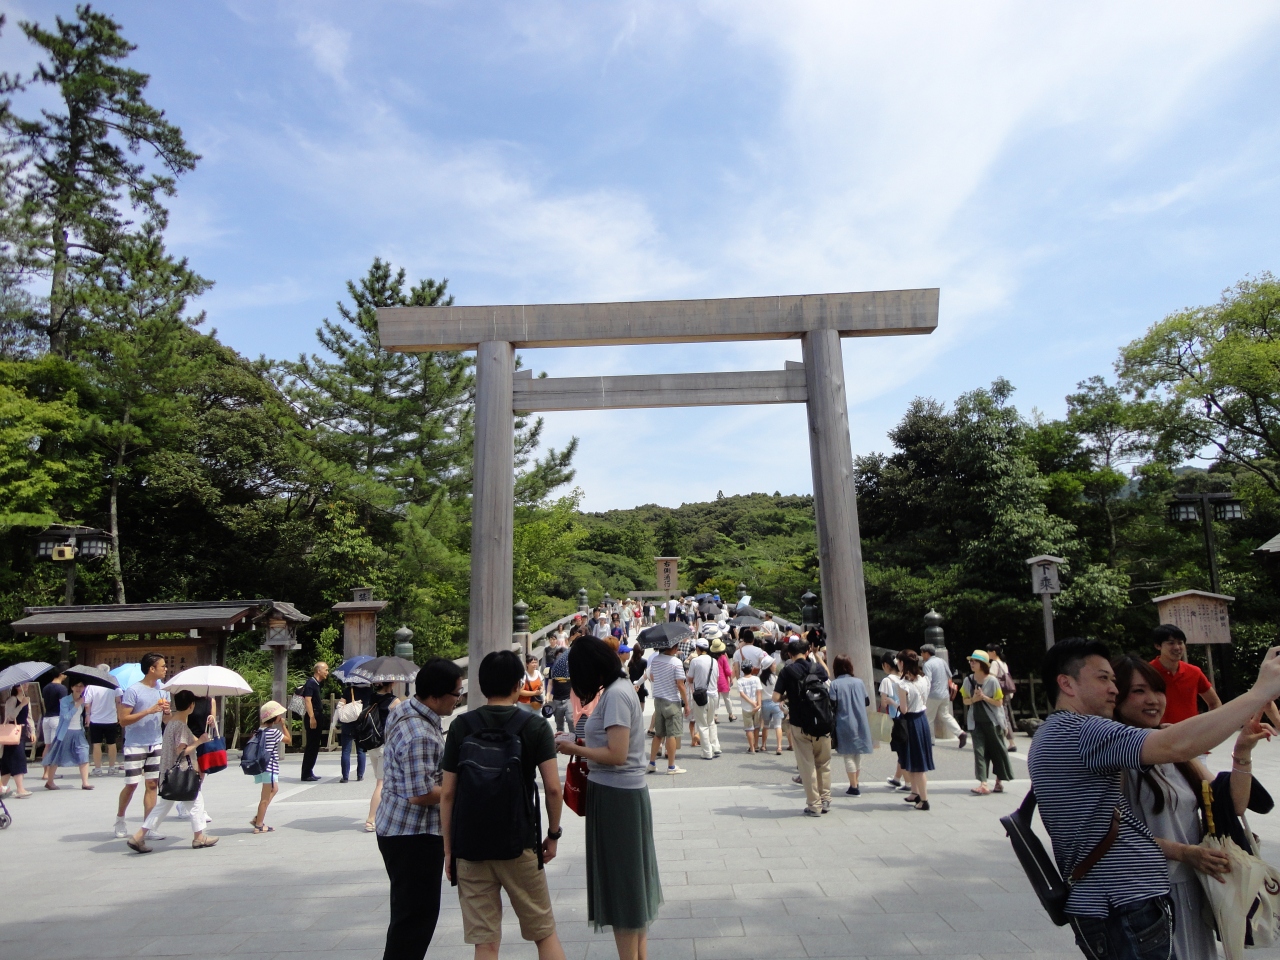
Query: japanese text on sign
[1044,578]
[668,573]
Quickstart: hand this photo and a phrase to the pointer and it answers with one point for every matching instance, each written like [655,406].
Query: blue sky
[1067,174]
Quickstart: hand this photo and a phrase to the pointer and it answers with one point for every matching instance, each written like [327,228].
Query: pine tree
[79,171]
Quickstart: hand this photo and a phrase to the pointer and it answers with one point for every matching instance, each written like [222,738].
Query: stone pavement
[744,875]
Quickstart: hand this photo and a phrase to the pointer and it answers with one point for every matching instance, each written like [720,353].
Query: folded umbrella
[210,681]
[92,676]
[662,635]
[387,670]
[24,672]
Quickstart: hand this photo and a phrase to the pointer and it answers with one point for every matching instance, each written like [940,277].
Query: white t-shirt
[102,704]
[702,672]
[672,606]
[917,691]
[750,688]
[748,653]
[770,628]
[889,688]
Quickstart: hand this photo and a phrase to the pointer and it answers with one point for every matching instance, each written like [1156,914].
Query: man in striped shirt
[1120,908]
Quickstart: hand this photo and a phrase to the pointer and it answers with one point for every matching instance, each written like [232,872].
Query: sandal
[981,791]
[86,786]
[24,796]
[922,805]
[138,847]
[50,785]
[999,788]
[261,829]
[206,842]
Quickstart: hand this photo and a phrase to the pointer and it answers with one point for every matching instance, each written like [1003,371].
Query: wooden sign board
[1201,616]
[177,654]
[668,574]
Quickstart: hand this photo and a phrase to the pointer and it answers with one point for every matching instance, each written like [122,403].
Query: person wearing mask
[917,757]
[1168,798]
[853,732]
[1184,682]
[624,890]
[384,700]
[985,700]
[810,736]
[1078,761]
[941,690]
[408,819]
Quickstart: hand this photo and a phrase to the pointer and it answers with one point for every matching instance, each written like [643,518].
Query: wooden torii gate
[819,321]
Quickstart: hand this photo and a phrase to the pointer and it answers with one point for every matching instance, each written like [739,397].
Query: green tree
[80,173]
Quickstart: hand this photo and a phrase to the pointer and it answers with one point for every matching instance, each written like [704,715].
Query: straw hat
[269,711]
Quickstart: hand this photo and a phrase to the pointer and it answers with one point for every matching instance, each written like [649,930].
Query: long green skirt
[623,888]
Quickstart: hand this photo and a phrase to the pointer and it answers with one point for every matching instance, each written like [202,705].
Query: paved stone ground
[744,876]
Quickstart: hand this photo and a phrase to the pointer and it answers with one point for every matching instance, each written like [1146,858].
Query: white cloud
[328,46]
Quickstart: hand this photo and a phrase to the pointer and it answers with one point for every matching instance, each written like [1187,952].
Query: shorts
[266,778]
[141,763]
[751,719]
[104,732]
[480,884]
[49,729]
[852,762]
[375,757]
[668,718]
[771,715]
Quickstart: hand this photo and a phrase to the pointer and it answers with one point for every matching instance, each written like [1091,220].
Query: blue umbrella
[128,674]
[344,673]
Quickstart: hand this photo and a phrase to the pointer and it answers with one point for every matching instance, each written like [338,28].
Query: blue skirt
[71,751]
[917,757]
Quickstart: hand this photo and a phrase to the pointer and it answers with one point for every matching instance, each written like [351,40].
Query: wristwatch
[555,835]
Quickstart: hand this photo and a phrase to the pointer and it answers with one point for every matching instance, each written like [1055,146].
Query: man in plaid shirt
[408,818]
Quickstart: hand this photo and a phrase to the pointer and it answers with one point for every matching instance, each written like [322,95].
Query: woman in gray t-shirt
[623,887]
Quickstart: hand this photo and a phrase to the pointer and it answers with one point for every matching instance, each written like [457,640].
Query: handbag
[181,783]
[1247,906]
[575,787]
[881,725]
[211,757]
[10,734]
[349,712]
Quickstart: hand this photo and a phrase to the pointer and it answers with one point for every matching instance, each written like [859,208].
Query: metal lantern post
[65,545]
[1189,507]
[1045,582]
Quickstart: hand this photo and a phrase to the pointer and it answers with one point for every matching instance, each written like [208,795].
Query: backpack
[1039,867]
[823,718]
[369,736]
[494,811]
[253,758]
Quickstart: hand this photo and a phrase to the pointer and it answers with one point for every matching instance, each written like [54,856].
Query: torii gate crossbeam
[819,321]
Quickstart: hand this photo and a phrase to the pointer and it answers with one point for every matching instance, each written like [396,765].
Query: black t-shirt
[538,745]
[384,701]
[311,691]
[790,686]
[53,694]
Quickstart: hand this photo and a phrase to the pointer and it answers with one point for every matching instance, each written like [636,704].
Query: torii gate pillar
[819,321]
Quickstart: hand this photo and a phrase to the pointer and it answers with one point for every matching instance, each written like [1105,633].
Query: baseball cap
[703,644]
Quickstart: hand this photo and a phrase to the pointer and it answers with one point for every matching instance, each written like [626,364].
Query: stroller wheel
[5,820]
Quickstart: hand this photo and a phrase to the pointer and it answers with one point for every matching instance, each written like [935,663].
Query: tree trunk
[1111,532]
[116,570]
[58,293]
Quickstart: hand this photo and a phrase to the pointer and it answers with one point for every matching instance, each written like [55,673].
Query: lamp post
[65,545]
[1045,582]
[1190,507]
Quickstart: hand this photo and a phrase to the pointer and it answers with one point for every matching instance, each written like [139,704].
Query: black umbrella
[745,622]
[92,676]
[386,670]
[663,635]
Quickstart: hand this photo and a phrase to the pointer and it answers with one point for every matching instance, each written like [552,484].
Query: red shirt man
[1184,682]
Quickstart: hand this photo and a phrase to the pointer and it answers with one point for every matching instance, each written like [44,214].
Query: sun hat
[980,655]
[710,630]
[269,711]
[717,645]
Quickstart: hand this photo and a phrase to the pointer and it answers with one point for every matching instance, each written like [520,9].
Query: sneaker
[853,792]
[156,835]
[811,813]
[122,829]
[95,771]
[717,753]
[796,779]
[653,767]
[894,782]
[964,738]
[826,806]
[674,770]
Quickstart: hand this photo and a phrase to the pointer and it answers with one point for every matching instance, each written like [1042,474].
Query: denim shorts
[1142,930]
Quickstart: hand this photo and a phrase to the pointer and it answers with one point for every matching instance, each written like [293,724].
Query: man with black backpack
[802,683]
[489,812]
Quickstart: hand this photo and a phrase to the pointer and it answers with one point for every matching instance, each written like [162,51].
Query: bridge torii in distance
[819,321]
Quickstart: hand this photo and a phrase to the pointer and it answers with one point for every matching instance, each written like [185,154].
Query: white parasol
[210,681]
